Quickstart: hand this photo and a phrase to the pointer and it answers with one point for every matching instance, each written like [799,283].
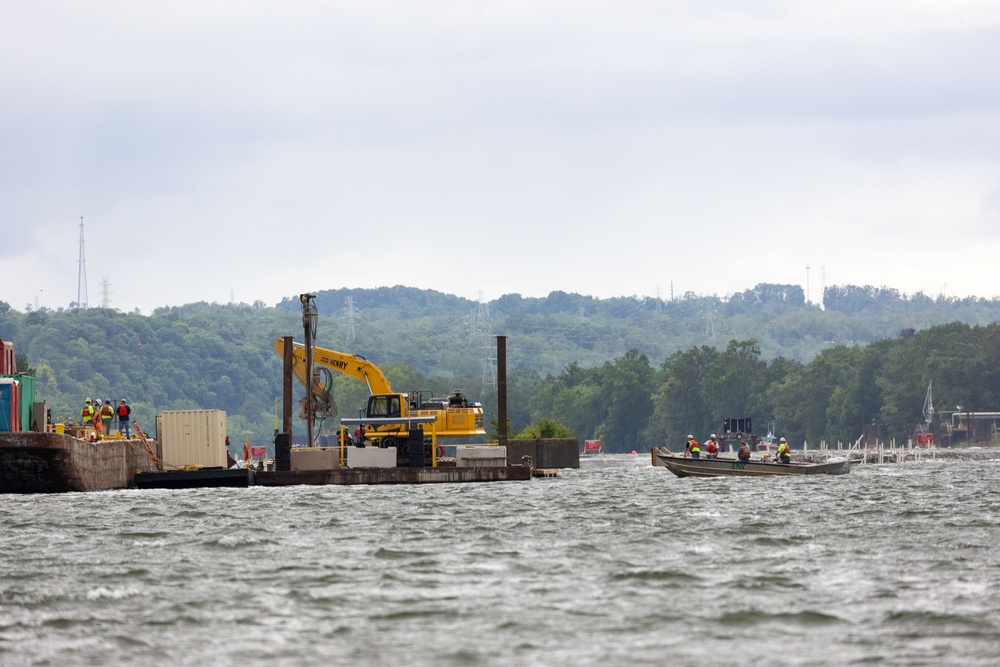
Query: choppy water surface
[622,564]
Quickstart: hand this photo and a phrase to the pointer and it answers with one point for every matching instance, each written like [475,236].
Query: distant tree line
[813,372]
[835,397]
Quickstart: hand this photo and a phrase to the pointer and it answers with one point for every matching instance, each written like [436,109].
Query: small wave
[959,624]
[656,575]
[764,582]
[103,593]
[807,617]
[410,614]
[771,541]
[392,554]
[143,535]
[240,541]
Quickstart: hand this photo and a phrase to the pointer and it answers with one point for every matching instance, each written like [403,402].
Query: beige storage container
[192,438]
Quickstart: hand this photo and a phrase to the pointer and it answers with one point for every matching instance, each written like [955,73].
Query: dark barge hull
[393,476]
[197,479]
[33,462]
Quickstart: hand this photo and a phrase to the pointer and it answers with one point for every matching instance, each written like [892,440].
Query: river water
[614,564]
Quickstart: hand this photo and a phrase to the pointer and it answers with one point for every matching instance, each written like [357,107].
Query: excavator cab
[384,405]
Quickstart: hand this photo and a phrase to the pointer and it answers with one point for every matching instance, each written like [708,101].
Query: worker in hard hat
[784,453]
[124,410]
[107,414]
[712,448]
[692,447]
[98,426]
[87,415]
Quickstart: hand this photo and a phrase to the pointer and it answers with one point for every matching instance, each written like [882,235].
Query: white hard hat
[690,437]
[782,440]
[713,436]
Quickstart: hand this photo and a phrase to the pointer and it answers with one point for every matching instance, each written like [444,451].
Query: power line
[350,320]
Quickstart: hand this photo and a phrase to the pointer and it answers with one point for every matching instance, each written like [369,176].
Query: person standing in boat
[711,448]
[692,448]
[124,412]
[784,453]
[744,453]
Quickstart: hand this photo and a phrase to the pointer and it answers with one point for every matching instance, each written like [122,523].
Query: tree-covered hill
[606,367]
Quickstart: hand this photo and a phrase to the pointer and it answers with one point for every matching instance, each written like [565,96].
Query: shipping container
[8,365]
[192,438]
[26,398]
[10,407]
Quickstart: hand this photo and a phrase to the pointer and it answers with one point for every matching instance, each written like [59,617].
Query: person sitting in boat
[744,453]
[711,448]
[692,448]
[784,454]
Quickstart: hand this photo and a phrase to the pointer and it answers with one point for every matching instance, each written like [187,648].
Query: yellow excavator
[455,417]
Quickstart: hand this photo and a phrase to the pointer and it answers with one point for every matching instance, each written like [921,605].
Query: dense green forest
[634,372]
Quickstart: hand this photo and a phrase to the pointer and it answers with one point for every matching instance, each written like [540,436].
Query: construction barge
[398,442]
[48,462]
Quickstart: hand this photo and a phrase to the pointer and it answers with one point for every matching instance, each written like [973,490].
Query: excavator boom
[455,416]
[349,364]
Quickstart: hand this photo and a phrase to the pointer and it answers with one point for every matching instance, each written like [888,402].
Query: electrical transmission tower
[710,323]
[105,293]
[350,320]
[481,329]
[807,282]
[81,281]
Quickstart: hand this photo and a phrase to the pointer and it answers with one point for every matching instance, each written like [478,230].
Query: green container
[27,383]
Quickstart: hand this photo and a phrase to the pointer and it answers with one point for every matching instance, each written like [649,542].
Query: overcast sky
[256,150]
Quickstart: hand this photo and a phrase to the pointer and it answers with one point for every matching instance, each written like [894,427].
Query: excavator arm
[349,364]
[454,416]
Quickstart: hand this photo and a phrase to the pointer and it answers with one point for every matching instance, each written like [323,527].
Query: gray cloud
[544,138]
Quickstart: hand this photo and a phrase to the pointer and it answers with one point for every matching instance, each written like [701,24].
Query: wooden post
[502,390]
[286,389]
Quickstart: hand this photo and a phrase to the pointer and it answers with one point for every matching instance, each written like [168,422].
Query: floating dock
[195,479]
[242,477]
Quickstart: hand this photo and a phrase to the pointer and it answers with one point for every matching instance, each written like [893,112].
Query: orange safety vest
[123,411]
[107,412]
[88,414]
[695,447]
